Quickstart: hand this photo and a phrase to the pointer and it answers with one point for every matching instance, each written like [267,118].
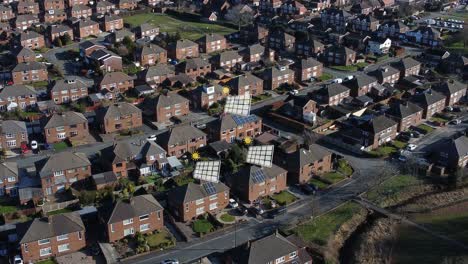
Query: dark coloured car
[308,188]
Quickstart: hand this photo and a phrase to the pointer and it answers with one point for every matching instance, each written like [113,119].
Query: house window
[144,217]
[293,254]
[26,248]
[64,247]
[213,197]
[200,210]
[129,231]
[8,135]
[62,237]
[199,201]
[144,227]
[79,236]
[43,241]
[58,173]
[11,179]
[128,221]
[112,228]
[279,260]
[45,251]
[213,206]
[159,215]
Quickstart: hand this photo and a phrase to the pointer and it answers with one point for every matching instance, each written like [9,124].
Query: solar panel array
[241,120]
[207,170]
[209,188]
[238,105]
[258,176]
[260,155]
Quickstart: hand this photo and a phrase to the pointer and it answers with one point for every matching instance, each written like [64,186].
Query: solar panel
[238,105]
[209,188]
[207,170]
[260,155]
[241,120]
[258,176]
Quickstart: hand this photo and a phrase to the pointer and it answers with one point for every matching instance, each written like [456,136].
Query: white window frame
[63,247]
[49,251]
[144,227]
[128,221]
[62,237]
[41,241]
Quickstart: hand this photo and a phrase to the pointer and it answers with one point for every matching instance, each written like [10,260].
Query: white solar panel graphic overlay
[238,105]
[261,155]
[207,170]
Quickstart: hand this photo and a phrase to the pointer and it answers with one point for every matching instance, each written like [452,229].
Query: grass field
[323,227]
[457,47]
[390,189]
[414,246]
[202,226]
[334,176]
[187,29]
[284,198]
[426,128]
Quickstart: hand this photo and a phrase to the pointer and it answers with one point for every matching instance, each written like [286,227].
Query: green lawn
[5,209]
[39,84]
[183,179]
[399,144]
[457,47]
[390,190]
[353,67]
[283,198]
[60,146]
[426,128]
[227,217]
[160,239]
[187,29]
[325,77]
[438,119]
[415,246]
[383,151]
[202,226]
[334,176]
[318,183]
[344,167]
[323,227]
[260,97]
[60,211]
[47,261]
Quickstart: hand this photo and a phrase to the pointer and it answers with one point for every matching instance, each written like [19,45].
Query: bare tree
[239,16]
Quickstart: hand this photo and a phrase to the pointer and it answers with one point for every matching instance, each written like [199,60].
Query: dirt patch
[434,201]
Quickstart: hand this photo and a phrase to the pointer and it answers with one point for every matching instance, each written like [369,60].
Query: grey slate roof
[406,63]
[360,81]
[55,225]
[110,18]
[243,80]
[192,191]
[333,89]
[181,134]
[449,88]
[63,161]
[59,28]
[301,157]
[8,169]
[30,35]
[385,72]
[378,124]
[169,100]
[17,90]
[427,98]
[29,66]
[121,109]
[65,85]
[402,110]
[159,70]
[151,49]
[245,176]
[137,206]
[210,38]
[193,63]
[115,77]
[228,55]
[12,127]
[459,146]
[105,178]
[66,119]
[79,7]
[183,43]
[86,23]
[274,72]
[25,52]
[308,63]
[254,49]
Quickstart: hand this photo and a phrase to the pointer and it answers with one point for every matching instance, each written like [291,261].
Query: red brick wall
[155,221]
[29,76]
[188,211]
[130,122]
[81,131]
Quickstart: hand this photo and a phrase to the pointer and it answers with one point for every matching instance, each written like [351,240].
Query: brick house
[61,170]
[232,127]
[9,179]
[32,40]
[249,187]
[226,59]
[116,83]
[386,74]
[407,66]
[53,236]
[87,47]
[292,7]
[23,22]
[12,134]
[27,7]
[104,7]
[28,72]
[127,4]
[194,67]
[25,55]
[112,23]
[360,84]
[107,60]
[373,133]
[147,30]
[332,94]
[155,75]
[254,34]
[365,23]
[119,117]
[191,200]
[17,96]
[424,35]
[119,35]
[246,83]
[269,6]
[392,29]
[335,18]
[182,139]
[141,214]
[300,107]
[309,48]
[69,90]
[205,95]
[281,40]
[80,11]
[339,55]
[453,91]
[275,76]
[170,105]
[151,54]
[431,102]
[67,125]
[307,69]
[85,28]
[57,31]
[273,248]
[53,5]
[183,49]
[454,153]
[212,42]
[406,114]
[71,3]
[6,13]
[54,16]
[256,53]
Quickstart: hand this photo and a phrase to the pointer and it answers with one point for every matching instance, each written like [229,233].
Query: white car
[170,261]
[411,147]
[338,80]
[233,203]
[34,145]
[38,56]
[151,137]
[18,260]
[294,92]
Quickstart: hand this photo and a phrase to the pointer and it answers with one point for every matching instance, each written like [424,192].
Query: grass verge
[426,128]
[284,198]
[227,217]
[389,191]
[160,239]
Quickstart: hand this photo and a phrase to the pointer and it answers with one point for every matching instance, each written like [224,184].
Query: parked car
[3,249]
[294,92]
[233,203]
[337,80]
[308,188]
[404,137]
[24,148]
[455,122]
[17,260]
[34,145]
[277,212]
[402,158]
[151,137]
[170,261]
[411,147]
